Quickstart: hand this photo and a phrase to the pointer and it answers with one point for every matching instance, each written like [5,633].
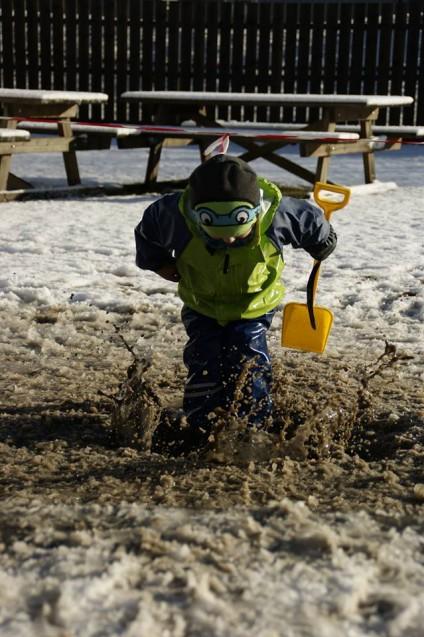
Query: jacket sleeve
[161,235]
[301,224]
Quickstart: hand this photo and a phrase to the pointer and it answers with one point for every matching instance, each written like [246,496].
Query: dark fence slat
[122,58]
[151,64]
[251,56]
[275,113]
[147,64]
[414,73]
[211,47]
[330,57]
[58,28]
[160,44]
[224,73]
[70,9]
[46,45]
[263,64]
[32,28]
[399,58]
[317,48]
[357,48]
[8,46]
[186,46]
[134,58]
[96,61]
[303,49]
[211,53]
[20,43]
[225,54]
[109,57]
[238,48]
[385,56]
[370,57]
[83,48]
[343,57]
[173,45]
[317,64]
[289,60]
[83,54]
[199,59]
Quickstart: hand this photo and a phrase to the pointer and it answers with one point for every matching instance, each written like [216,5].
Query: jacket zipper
[226,263]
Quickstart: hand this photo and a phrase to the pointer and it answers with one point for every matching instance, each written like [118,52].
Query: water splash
[317,415]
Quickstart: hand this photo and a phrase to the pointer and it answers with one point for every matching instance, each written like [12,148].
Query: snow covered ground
[318,535]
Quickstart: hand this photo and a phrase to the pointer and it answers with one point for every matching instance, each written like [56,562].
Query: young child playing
[222,240]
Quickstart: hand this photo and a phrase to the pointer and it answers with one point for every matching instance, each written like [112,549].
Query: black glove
[321,251]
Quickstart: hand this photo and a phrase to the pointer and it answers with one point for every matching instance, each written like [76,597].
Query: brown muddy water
[314,530]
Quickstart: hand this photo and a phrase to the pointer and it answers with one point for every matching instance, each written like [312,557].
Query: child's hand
[169,272]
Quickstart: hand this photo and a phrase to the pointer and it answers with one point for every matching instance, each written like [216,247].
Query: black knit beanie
[224,178]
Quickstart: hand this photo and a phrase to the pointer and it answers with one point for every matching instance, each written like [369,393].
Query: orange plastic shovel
[307,326]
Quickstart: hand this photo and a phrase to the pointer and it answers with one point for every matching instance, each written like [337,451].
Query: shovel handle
[327,205]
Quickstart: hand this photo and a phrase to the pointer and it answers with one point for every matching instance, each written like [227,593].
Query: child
[222,240]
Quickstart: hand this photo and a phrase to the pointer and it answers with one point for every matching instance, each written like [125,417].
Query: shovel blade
[297,331]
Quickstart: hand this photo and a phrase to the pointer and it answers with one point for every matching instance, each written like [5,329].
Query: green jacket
[234,282]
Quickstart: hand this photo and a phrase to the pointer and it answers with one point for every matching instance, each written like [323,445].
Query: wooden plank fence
[229,45]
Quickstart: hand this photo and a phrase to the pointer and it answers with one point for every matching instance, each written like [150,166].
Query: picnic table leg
[5,160]
[152,169]
[323,163]
[368,158]
[69,157]
[321,173]
[9,181]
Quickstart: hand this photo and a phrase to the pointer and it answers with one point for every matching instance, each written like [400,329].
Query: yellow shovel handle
[329,207]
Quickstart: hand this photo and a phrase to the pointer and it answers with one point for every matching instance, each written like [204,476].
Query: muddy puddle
[315,529]
[349,435]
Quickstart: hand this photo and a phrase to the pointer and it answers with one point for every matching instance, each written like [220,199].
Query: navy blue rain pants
[216,356]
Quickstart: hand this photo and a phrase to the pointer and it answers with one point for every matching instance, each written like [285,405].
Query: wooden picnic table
[173,107]
[60,106]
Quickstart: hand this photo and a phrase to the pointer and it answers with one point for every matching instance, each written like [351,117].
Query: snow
[81,250]
[270,98]
[100,539]
[51,97]
[7,135]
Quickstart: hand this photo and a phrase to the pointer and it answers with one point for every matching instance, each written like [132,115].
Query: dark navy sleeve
[161,235]
[301,224]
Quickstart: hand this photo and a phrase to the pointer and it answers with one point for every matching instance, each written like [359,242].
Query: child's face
[226,220]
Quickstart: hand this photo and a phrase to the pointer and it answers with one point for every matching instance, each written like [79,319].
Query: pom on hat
[224,178]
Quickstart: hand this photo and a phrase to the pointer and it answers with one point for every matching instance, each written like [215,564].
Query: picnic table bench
[88,136]
[60,106]
[174,107]
[392,132]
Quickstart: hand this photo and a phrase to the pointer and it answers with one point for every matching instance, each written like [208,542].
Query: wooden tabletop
[29,96]
[266,99]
